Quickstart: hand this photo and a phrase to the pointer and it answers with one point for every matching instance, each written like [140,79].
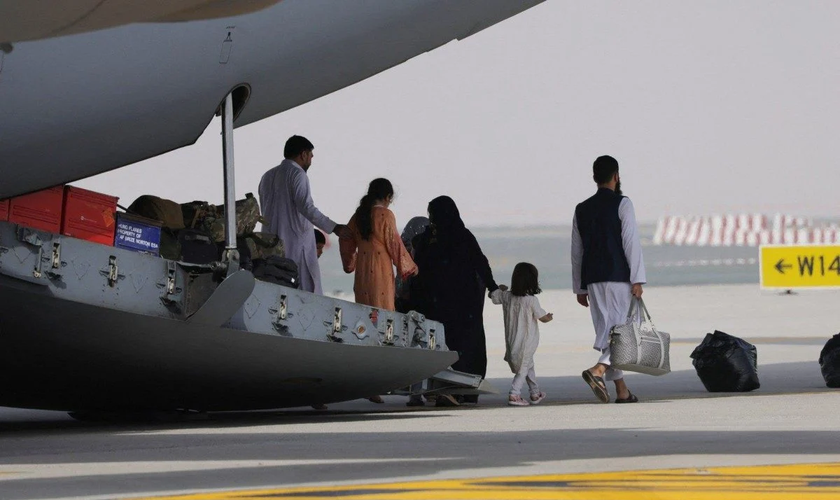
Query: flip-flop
[598,386]
[629,399]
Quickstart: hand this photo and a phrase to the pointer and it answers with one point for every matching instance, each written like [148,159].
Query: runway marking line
[765,482]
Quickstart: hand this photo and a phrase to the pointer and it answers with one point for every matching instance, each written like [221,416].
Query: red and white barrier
[743,230]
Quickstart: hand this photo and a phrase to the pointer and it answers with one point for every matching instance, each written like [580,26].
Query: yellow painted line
[768,482]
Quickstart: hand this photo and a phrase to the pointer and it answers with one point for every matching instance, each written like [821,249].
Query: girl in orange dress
[375,247]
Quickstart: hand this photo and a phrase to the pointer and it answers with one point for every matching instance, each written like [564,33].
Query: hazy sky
[708,106]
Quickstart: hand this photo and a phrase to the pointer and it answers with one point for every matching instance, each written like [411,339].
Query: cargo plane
[94,85]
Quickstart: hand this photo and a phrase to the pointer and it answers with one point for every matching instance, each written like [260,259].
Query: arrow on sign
[781,266]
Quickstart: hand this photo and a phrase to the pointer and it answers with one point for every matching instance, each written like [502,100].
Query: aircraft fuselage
[75,106]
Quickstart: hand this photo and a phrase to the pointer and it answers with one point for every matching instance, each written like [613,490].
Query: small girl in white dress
[522,332]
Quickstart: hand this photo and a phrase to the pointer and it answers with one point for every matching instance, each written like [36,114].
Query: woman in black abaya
[454,276]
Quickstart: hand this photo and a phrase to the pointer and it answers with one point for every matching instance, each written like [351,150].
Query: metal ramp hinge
[38,263]
[112,272]
[283,308]
[171,270]
[336,327]
[389,332]
[281,313]
[171,290]
[55,262]
[56,255]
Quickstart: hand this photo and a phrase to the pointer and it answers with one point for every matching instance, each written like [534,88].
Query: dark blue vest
[600,231]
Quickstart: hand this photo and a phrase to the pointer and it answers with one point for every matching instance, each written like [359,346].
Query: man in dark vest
[607,269]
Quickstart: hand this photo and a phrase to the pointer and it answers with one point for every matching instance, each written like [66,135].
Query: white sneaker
[536,398]
[516,401]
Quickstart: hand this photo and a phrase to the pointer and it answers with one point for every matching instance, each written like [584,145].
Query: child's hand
[548,317]
[503,288]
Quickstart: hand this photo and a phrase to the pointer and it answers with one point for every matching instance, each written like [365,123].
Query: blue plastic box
[138,234]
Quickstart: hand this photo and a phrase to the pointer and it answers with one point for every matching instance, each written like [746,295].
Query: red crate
[89,215]
[4,210]
[39,210]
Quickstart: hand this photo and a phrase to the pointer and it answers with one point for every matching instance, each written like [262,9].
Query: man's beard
[618,188]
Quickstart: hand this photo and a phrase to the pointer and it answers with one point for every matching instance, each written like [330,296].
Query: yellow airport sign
[805,266]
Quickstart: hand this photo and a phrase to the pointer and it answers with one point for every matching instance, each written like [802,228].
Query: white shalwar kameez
[522,336]
[609,301]
[291,214]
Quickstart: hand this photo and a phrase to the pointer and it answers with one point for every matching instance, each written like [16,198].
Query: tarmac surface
[680,441]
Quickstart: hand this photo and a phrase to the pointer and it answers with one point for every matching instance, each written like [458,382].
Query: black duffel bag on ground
[830,362]
[277,270]
[726,364]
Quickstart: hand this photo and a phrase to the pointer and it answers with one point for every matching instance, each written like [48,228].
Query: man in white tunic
[607,269]
[290,212]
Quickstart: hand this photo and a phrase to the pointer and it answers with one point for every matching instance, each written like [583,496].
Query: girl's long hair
[525,280]
[379,189]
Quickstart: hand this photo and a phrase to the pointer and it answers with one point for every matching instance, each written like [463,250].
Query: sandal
[597,385]
[537,397]
[629,399]
[514,400]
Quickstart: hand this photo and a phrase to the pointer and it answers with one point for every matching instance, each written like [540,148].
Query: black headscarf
[444,215]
